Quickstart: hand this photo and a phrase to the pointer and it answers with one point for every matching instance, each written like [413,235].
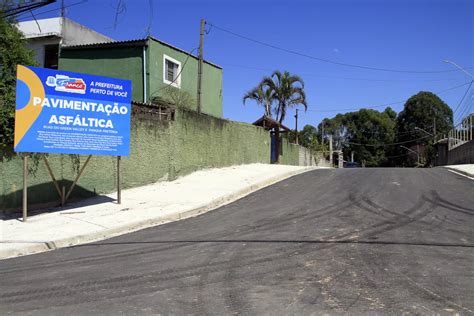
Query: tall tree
[334,127]
[263,96]
[13,51]
[423,116]
[308,136]
[288,91]
[365,133]
[370,134]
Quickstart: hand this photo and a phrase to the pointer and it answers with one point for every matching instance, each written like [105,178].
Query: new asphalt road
[350,241]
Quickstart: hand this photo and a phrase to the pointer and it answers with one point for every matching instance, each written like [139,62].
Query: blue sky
[396,34]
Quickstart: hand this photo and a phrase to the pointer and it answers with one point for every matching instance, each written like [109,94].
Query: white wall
[40,28]
[54,30]
[75,34]
[37,45]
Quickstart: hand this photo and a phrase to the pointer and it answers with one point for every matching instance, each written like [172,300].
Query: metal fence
[461,133]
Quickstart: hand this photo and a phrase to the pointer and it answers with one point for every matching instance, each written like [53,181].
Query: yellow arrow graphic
[26,116]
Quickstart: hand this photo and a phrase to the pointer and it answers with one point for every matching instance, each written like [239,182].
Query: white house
[44,37]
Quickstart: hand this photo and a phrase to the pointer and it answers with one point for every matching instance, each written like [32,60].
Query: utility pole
[415,152]
[322,133]
[352,156]
[200,65]
[418,152]
[330,150]
[62,9]
[434,130]
[296,126]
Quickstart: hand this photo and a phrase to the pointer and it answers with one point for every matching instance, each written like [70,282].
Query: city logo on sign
[67,84]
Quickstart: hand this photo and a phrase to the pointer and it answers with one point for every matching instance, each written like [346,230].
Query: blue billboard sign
[71,113]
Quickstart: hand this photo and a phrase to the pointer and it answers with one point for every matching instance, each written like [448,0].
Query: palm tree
[263,96]
[287,90]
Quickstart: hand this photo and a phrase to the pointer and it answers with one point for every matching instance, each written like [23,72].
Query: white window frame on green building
[177,76]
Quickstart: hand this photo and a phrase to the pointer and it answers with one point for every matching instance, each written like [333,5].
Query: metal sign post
[73,113]
[25,188]
[119,186]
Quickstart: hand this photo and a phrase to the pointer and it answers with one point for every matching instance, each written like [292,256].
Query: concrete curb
[44,246]
[467,174]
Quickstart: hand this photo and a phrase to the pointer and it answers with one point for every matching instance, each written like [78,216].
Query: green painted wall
[127,63]
[211,84]
[160,150]
[120,62]
[289,154]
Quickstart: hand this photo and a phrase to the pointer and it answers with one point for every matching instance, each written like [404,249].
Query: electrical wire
[290,51]
[36,21]
[386,104]
[150,20]
[24,8]
[465,113]
[44,12]
[343,78]
[397,156]
[390,144]
[179,73]
[460,114]
[462,99]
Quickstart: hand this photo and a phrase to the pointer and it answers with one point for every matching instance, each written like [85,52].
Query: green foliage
[308,137]
[375,137]
[13,51]
[176,97]
[335,128]
[283,89]
[371,128]
[368,127]
[263,96]
[288,91]
[422,111]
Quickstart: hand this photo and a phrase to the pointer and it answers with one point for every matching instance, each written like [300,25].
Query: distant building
[45,35]
[158,70]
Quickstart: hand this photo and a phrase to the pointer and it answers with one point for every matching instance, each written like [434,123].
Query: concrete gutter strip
[467,169]
[141,208]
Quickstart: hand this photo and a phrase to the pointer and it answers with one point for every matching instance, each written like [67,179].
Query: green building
[159,71]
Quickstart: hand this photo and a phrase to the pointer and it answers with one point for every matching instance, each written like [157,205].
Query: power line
[121,8]
[464,111]
[462,99]
[66,6]
[25,8]
[343,78]
[290,51]
[386,104]
[398,156]
[390,144]
[150,21]
[460,102]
